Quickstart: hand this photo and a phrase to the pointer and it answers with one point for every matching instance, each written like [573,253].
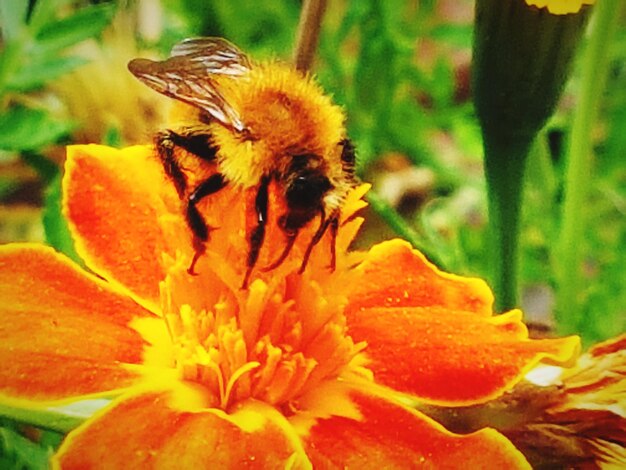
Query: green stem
[579,165]
[397,223]
[308,33]
[540,169]
[59,419]
[504,171]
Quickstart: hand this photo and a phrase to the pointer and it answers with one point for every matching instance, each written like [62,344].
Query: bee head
[306,190]
[305,187]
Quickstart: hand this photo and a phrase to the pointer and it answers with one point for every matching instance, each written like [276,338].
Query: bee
[257,123]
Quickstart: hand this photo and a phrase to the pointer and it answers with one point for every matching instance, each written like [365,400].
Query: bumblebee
[257,123]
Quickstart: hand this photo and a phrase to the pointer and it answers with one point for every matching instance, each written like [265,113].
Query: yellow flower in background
[560,7]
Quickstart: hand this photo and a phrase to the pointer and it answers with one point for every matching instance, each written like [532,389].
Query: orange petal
[144,431]
[392,436]
[609,346]
[451,357]
[395,275]
[63,332]
[113,200]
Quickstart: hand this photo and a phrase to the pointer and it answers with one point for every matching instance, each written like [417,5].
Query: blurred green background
[401,70]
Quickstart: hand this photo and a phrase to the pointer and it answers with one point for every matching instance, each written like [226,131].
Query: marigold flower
[559,417]
[317,369]
[582,422]
[561,7]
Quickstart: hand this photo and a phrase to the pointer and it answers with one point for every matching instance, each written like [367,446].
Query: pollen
[260,343]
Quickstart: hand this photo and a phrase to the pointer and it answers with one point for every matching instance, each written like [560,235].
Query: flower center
[270,344]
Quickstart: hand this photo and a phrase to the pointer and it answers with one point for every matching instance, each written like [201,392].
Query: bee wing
[186,75]
[215,55]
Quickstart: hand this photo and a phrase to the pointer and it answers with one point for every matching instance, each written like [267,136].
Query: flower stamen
[225,397]
[256,344]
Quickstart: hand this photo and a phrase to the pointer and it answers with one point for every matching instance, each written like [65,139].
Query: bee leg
[334,228]
[317,236]
[258,233]
[165,148]
[291,235]
[196,223]
[199,249]
[291,238]
[333,223]
[198,144]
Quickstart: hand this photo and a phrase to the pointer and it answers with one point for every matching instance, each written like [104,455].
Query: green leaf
[45,168]
[113,137]
[44,12]
[85,23]
[11,55]
[55,224]
[50,439]
[459,35]
[37,72]
[12,17]
[20,453]
[30,129]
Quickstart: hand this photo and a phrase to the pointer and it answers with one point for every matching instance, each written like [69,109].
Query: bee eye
[306,190]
